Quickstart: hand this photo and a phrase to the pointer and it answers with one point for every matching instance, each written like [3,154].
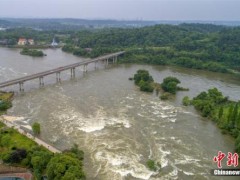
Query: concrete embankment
[9,122]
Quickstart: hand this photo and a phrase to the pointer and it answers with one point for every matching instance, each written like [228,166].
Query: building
[54,43]
[30,41]
[22,41]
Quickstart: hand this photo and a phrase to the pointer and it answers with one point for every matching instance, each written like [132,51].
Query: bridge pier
[85,68]
[21,88]
[58,77]
[72,72]
[114,59]
[41,83]
[96,62]
[106,62]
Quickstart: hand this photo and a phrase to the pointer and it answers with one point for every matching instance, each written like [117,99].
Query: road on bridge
[57,70]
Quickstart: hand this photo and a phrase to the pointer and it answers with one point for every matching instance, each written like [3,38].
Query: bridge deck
[56,70]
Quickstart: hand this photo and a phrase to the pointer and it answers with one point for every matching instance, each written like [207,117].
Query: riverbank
[20,148]
[9,122]
[32,46]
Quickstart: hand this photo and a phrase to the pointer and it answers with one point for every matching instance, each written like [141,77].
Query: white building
[22,41]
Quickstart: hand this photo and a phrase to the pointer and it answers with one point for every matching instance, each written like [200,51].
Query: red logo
[232,159]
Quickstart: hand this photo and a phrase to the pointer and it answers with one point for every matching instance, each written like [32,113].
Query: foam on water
[188,173]
[27,127]
[163,156]
[174,172]
[124,164]
[172,120]
[95,122]
[140,115]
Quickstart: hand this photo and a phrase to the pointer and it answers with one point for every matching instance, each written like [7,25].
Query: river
[117,126]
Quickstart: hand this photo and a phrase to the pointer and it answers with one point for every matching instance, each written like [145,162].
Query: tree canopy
[65,167]
[169,84]
[143,79]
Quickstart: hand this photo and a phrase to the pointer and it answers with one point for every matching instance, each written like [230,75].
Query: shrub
[151,165]
[186,101]
[36,128]
[165,96]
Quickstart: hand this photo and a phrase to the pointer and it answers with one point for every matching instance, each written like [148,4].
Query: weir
[58,71]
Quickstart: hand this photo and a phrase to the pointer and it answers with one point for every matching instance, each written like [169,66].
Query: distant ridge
[76,24]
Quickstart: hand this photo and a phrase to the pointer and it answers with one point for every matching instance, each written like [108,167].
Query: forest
[199,46]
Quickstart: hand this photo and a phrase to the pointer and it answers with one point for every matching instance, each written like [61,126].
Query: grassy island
[32,52]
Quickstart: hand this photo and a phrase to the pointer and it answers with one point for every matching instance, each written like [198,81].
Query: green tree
[230,116]
[63,166]
[142,75]
[234,116]
[220,113]
[172,87]
[16,156]
[143,79]
[36,128]
[169,84]
[238,121]
[4,105]
[40,159]
[79,153]
[237,144]
[186,101]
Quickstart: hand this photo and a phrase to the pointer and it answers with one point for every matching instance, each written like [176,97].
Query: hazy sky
[123,9]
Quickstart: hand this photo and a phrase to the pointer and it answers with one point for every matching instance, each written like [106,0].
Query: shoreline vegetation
[32,52]
[5,101]
[197,46]
[32,46]
[218,108]
[18,150]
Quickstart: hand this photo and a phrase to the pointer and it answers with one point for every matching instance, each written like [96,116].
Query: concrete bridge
[58,71]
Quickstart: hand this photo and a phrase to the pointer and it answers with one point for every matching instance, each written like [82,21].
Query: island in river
[32,52]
